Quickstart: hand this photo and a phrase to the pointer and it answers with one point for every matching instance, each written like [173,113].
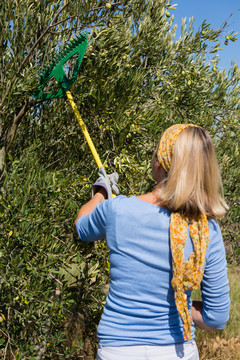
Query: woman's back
[140,307]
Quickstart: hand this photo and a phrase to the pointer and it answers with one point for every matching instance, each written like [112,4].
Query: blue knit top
[140,307]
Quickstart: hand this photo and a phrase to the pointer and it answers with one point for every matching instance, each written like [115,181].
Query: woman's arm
[196,313]
[214,285]
[212,313]
[98,198]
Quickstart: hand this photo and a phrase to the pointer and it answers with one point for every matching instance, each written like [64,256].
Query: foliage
[135,80]
[39,289]
[32,32]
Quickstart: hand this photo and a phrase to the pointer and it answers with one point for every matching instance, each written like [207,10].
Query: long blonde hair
[193,185]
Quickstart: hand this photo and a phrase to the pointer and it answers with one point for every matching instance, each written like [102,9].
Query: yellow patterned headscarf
[188,274]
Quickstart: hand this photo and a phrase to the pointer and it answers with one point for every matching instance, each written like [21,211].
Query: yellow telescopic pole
[84,129]
[85,132]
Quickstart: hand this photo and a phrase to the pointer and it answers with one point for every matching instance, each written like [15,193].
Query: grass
[224,345]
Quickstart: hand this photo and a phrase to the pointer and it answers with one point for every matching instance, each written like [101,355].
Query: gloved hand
[108,182]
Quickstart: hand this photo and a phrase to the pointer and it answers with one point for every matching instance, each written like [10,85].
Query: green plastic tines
[56,69]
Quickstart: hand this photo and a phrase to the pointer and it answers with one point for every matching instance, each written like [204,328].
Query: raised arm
[87,208]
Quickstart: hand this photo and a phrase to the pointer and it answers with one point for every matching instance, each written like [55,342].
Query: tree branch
[11,134]
[16,121]
[78,16]
[225,22]
[29,54]
[12,131]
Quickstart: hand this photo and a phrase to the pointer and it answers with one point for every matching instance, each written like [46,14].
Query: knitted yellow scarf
[186,274]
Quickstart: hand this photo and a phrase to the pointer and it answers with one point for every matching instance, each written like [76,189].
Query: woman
[162,245]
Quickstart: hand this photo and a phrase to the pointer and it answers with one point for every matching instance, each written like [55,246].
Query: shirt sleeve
[215,286]
[92,227]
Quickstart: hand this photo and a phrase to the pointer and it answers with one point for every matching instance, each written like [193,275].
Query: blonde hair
[193,185]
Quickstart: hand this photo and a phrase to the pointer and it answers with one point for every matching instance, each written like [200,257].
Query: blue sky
[215,12]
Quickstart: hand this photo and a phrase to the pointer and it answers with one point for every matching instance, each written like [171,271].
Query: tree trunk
[9,138]
[2,162]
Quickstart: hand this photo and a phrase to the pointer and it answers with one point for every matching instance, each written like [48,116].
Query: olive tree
[135,80]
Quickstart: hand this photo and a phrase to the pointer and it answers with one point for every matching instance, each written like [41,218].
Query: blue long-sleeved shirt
[140,307]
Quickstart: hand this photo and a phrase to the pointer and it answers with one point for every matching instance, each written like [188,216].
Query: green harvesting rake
[56,70]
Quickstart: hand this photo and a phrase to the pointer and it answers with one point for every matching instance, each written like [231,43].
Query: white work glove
[108,182]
